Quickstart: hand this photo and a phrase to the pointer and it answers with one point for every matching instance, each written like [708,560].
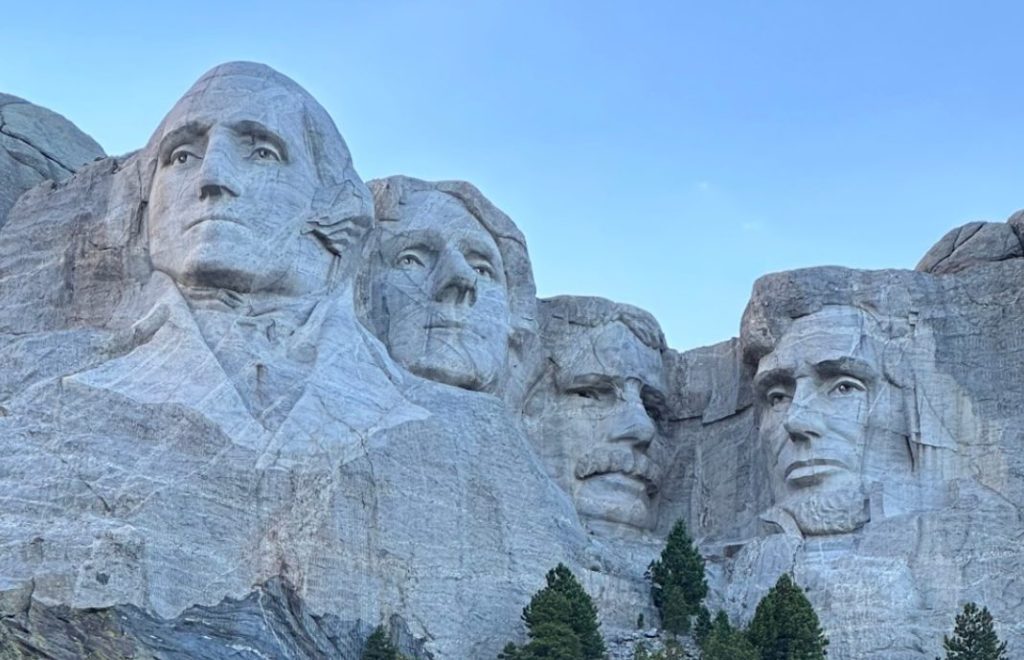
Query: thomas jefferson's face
[609,396]
[443,294]
[817,390]
[233,183]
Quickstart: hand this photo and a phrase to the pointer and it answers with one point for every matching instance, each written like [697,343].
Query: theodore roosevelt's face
[443,294]
[232,186]
[608,399]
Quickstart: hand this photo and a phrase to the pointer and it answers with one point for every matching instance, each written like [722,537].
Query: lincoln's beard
[830,512]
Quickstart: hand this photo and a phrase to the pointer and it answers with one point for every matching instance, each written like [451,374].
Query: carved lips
[616,460]
[213,218]
[811,471]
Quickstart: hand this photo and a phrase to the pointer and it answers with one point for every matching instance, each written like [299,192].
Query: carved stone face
[603,415]
[818,392]
[232,186]
[443,295]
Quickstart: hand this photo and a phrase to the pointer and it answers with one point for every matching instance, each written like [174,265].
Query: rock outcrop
[36,145]
[253,407]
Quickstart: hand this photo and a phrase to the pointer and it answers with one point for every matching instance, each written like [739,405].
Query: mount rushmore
[243,391]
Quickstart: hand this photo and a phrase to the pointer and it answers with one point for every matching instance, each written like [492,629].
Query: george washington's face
[232,188]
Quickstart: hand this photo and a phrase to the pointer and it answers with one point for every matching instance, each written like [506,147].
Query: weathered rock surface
[37,144]
[252,407]
[271,622]
[973,243]
[909,500]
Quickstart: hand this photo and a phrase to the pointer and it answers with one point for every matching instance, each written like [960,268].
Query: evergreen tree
[678,586]
[723,642]
[561,621]
[379,647]
[703,626]
[785,626]
[974,638]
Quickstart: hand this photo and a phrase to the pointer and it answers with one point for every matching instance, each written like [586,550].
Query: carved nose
[803,424]
[217,176]
[632,424]
[456,281]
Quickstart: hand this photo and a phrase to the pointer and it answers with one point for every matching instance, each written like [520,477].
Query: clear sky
[664,154]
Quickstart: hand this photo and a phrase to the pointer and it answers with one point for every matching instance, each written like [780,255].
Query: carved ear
[342,215]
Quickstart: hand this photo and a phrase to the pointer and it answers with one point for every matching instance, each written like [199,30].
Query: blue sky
[664,154]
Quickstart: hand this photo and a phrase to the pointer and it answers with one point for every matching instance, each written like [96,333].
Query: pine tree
[723,642]
[561,621]
[702,628]
[974,638]
[678,586]
[379,647]
[785,626]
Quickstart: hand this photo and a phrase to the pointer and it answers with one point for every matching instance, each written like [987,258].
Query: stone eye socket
[408,260]
[180,157]
[846,387]
[593,392]
[265,153]
[777,397]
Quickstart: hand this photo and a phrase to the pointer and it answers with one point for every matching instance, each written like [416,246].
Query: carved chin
[456,369]
[614,498]
[832,512]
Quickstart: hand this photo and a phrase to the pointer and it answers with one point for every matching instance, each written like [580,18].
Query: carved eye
[777,397]
[846,387]
[481,266]
[594,392]
[180,157]
[264,153]
[408,260]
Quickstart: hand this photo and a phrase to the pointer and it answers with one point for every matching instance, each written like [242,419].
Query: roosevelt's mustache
[623,460]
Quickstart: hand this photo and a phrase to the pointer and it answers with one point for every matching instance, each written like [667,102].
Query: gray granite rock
[270,622]
[889,440]
[191,407]
[37,144]
[252,406]
[975,242]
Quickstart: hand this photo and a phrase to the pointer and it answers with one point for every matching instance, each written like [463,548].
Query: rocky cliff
[251,406]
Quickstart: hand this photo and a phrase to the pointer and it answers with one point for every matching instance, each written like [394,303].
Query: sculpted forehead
[834,334]
[440,217]
[233,98]
[611,350]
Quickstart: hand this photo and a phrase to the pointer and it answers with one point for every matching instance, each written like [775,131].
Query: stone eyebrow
[848,366]
[179,136]
[259,132]
[588,379]
[765,379]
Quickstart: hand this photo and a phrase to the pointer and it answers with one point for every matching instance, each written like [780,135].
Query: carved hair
[563,316]
[780,299]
